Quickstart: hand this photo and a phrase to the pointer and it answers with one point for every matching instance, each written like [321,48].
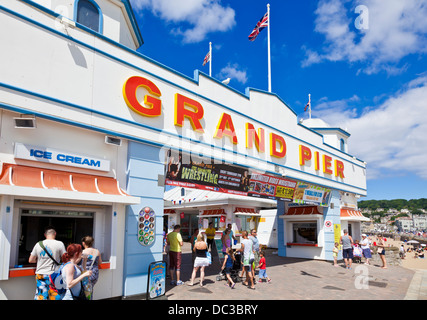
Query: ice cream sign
[46,154]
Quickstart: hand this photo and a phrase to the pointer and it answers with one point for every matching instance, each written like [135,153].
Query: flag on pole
[306,106]
[262,23]
[207,58]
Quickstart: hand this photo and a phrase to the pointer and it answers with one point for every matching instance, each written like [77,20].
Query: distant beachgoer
[381,250]
[366,248]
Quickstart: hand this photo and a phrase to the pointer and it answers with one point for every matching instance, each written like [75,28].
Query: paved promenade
[301,279]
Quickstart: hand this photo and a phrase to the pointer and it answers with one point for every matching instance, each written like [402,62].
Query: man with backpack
[47,254]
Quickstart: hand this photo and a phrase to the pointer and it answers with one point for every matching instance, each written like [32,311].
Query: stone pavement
[302,279]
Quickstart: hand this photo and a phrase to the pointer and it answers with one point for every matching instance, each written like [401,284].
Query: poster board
[156,283]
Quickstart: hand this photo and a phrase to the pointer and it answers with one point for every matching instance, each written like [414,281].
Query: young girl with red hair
[71,273]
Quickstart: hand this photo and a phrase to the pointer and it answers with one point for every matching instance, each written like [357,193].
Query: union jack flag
[207,58]
[262,23]
[306,106]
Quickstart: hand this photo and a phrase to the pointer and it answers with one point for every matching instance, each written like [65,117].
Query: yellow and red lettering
[226,127]
[327,164]
[194,115]
[274,139]
[252,135]
[304,154]
[316,161]
[339,169]
[129,94]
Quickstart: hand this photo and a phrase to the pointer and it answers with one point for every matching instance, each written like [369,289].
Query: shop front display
[96,154]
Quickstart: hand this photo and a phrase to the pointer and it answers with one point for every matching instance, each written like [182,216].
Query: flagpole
[210,60]
[309,105]
[269,54]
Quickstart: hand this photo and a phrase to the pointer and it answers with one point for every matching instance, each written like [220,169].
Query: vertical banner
[156,285]
[337,235]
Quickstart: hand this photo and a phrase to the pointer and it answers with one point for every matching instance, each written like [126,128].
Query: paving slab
[303,279]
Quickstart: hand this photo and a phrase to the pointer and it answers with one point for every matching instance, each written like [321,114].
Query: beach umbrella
[413,241]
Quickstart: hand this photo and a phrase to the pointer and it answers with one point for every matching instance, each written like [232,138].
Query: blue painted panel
[143,168]
[145,152]
[145,188]
[334,216]
[281,247]
[139,263]
[135,284]
[144,164]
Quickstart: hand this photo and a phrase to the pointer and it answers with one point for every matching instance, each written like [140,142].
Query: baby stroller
[235,269]
[357,254]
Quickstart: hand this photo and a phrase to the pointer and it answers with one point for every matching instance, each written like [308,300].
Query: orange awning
[246,211]
[354,215]
[24,177]
[298,211]
[213,212]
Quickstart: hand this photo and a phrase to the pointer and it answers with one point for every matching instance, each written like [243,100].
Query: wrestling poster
[193,172]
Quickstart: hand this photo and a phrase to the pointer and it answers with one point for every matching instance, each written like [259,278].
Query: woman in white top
[365,244]
[71,273]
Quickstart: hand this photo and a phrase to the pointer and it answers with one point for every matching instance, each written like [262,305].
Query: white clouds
[397,28]
[391,137]
[232,71]
[196,18]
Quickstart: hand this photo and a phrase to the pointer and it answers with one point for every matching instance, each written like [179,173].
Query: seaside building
[92,131]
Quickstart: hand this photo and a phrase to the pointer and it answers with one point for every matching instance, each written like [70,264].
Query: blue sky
[366,72]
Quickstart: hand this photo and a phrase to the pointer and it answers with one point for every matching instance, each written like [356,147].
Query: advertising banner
[307,193]
[272,187]
[193,172]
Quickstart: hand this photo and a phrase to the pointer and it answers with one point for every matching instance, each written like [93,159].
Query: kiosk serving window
[304,232]
[71,225]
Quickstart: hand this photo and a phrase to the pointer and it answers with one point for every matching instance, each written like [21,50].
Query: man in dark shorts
[175,242]
[347,249]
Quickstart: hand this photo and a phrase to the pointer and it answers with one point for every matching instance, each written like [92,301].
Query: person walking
[226,241]
[193,240]
[228,265]
[365,244]
[201,261]
[72,274]
[175,242]
[347,249]
[381,250]
[47,254]
[210,236]
[262,268]
[255,247]
[90,261]
[248,258]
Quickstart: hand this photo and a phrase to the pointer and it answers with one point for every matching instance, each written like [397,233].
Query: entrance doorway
[189,223]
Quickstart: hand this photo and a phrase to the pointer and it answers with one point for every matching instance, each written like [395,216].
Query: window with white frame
[304,232]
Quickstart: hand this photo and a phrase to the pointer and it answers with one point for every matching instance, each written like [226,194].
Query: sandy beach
[409,262]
